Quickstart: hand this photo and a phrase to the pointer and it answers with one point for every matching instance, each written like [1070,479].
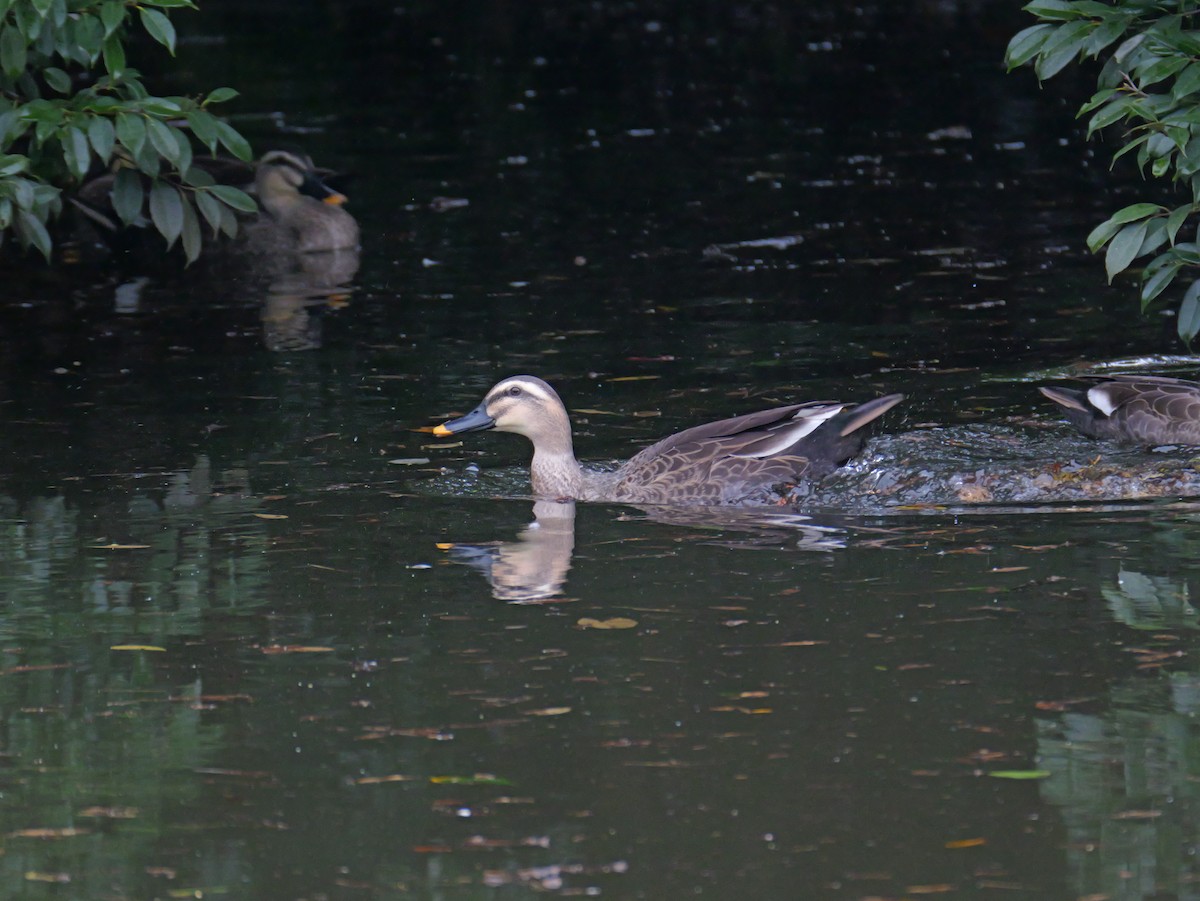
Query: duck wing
[728,460]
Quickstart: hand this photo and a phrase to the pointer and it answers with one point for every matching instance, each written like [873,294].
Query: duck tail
[856,417]
[1067,397]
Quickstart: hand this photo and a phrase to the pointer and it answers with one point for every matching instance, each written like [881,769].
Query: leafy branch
[1149,84]
[70,104]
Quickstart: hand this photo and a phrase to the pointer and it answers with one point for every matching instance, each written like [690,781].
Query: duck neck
[555,472]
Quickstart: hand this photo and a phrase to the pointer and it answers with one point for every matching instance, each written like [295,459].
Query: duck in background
[299,212]
[1134,409]
[300,205]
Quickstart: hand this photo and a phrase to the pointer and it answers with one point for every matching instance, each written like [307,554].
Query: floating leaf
[295,649]
[67,832]
[549,711]
[270,515]
[477,779]
[1137,815]
[966,843]
[137,647]
[616,622]
[1020,774]
[110,813]
[119,547]
[37,876]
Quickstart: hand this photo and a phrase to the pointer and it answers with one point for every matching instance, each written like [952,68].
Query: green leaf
[114,57]
[184,146]
[13,164]
[204,127]
[234,142]
[1176,219]
[1051,9]
[210,209]
[1122,54]
[87,35]
[1123,248]
[76,151]
[1158,282]
[128,195]
[1188,82]
[1157,71]
[58,80]
[232,197]
[131,131]
[102,136]
[1025,45]
[161,107]
[1107,32]
[32,232]
[1188,323]
[1020,774]
[12,51]
[1133,145]
[1060,48]
[1110,113]
[166,210]
[229,223]
[162,140]
[1134,212]
[1097,99]
[112,14]
[1156,237]
[220,95]
[159,27]
[22,193]
[191,238]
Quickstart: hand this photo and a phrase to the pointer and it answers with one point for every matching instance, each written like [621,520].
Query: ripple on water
[989,464]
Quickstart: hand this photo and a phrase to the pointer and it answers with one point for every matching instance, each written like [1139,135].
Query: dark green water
[262,638]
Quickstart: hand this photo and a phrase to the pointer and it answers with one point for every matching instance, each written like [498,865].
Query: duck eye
[514,391]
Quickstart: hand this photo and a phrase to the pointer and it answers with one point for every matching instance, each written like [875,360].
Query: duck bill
[313,186]
[475,421]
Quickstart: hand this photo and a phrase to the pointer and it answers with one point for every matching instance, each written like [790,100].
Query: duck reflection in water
[306,243]
[533,568]
[304,286]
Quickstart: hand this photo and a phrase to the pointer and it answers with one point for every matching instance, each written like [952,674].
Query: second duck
[742,460]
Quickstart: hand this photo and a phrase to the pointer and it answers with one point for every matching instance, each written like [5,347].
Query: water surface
[263,638]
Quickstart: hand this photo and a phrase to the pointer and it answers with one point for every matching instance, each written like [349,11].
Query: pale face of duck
[524,405]
[284,177]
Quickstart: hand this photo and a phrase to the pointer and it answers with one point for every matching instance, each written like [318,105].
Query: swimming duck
[296,199]
[734,461]
[300,212]
[1137,409]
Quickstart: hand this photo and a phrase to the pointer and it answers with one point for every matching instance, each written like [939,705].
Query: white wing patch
[1101,399]
[805,422]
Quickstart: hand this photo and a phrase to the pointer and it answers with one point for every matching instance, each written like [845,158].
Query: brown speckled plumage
[733,461]
[1136,409]
[301,206]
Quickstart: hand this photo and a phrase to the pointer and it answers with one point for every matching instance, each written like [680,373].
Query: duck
[295,198]
[299,211]
[1134,409]
[738,461]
